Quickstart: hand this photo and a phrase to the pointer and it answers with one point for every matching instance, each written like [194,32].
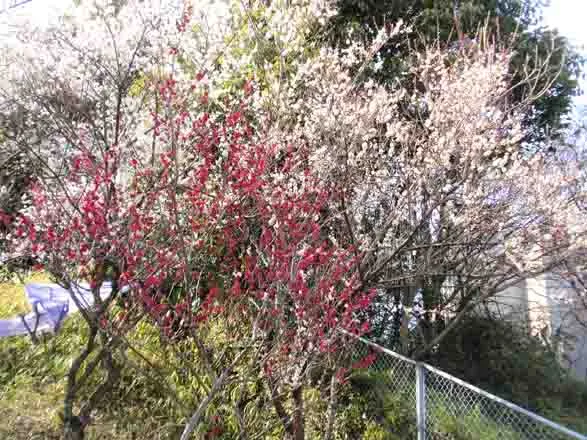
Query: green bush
[376,410]
[393,410]
[376,432]
[32,381]
[32,384]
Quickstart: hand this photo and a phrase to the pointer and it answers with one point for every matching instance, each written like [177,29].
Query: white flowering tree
[435,185]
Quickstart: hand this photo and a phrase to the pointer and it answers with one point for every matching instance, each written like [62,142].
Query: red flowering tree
[223,230]
[205,225]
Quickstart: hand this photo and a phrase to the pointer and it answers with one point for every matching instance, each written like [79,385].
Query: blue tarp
[51,303]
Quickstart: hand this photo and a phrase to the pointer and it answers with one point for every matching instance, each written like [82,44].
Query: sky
[570,18]
[38,12]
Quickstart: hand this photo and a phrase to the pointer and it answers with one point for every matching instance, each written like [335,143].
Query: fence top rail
[473,388]
[379,348]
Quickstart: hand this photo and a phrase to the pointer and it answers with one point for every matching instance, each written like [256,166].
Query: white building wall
[511,303]
[569,322]
[549,306]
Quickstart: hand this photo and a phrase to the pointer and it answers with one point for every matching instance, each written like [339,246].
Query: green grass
[32,383]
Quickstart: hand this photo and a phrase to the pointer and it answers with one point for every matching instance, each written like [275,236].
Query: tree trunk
[298,415]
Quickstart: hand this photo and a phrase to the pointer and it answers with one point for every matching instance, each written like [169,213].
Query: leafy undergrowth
[503,358]
[32,383]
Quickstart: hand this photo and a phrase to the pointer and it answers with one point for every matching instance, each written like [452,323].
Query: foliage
[143,406]
[472,425]
[391,409]
[375,432]
[32,386]
[15,176]
[391,413]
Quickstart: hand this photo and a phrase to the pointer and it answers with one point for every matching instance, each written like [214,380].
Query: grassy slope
[32,383]
[25,406]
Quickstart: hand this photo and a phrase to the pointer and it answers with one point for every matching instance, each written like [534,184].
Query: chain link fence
[418,401]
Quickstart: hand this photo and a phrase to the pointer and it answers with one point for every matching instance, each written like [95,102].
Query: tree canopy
[253,191]
[514,23]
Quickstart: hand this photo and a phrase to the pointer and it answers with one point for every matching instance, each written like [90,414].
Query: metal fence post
[421,400]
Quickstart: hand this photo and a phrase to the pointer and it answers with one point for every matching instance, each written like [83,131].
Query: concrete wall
[511,303]
[549,306]
[569,322]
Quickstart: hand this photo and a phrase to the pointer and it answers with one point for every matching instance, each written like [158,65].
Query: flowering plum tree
[238,240]
[206,221]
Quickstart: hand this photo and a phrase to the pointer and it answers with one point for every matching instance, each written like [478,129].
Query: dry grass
[29,412]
